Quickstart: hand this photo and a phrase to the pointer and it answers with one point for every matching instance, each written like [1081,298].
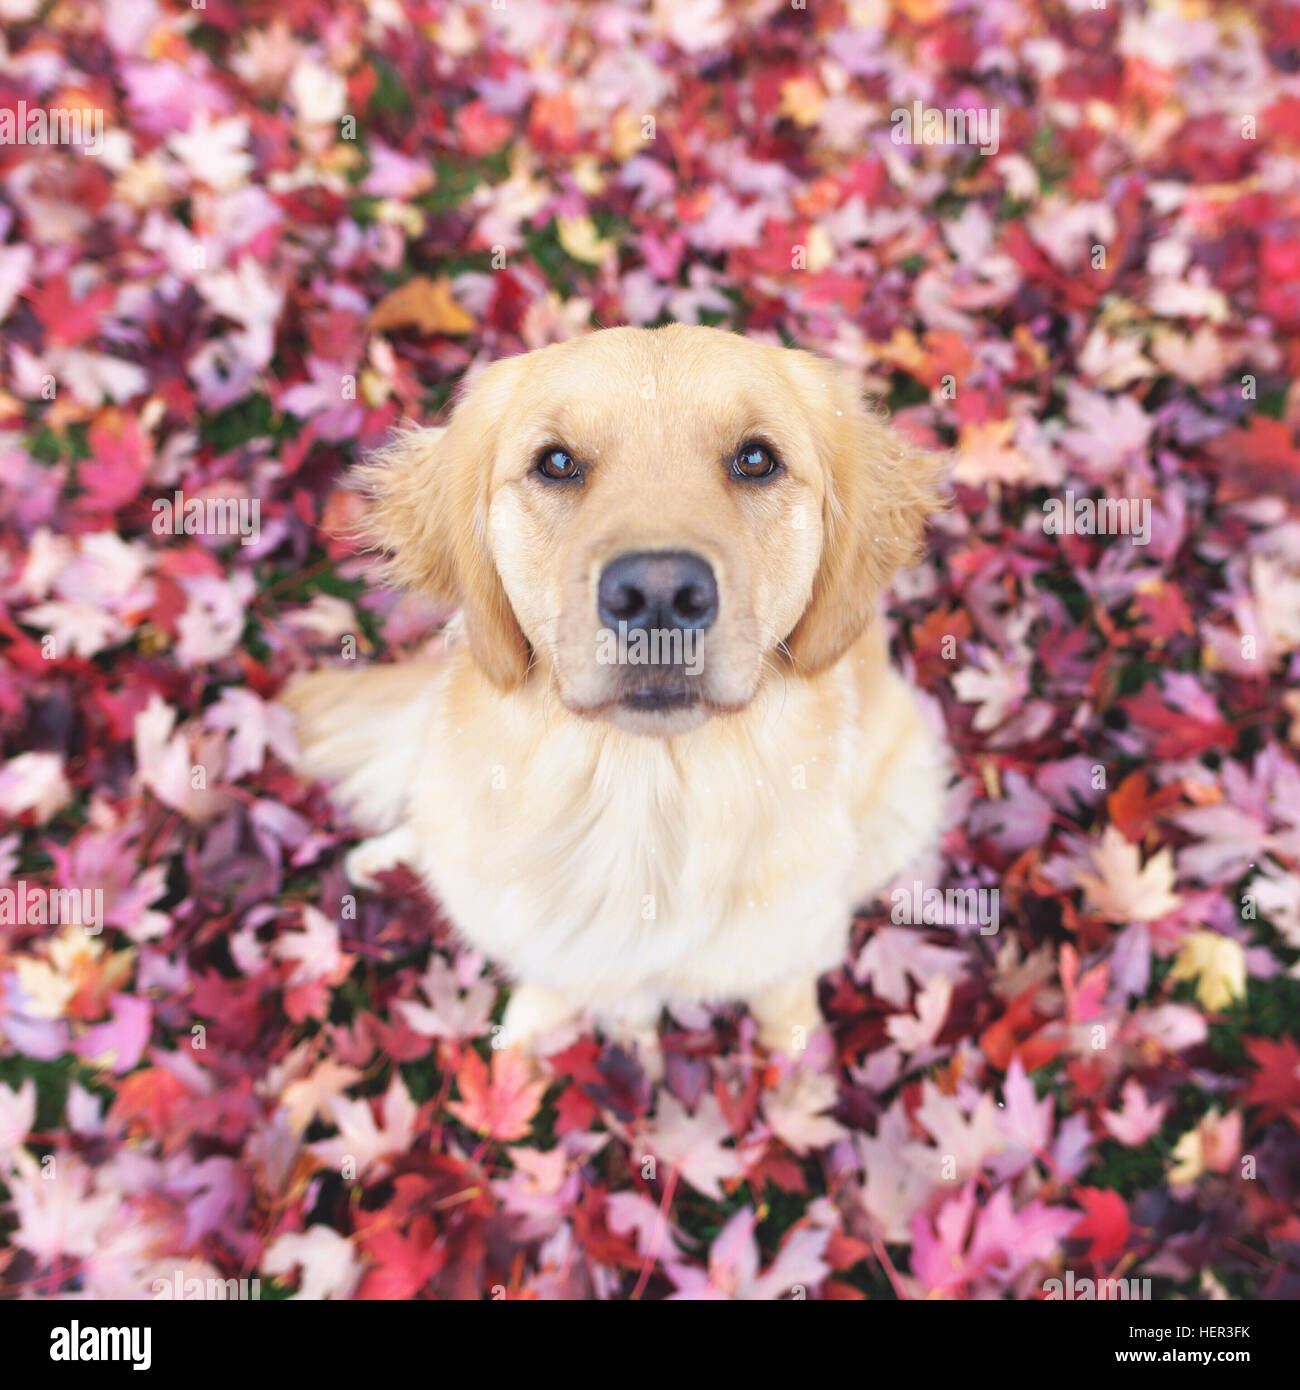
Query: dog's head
[654,519]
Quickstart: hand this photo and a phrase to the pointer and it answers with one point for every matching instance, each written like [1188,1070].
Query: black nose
[656,590]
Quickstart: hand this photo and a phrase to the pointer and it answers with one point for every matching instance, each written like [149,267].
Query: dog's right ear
[880,491]
[429,492]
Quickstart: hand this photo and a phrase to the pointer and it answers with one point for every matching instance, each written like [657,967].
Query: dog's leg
[633,1022]
[371,857]
[533,1011]
[787,1014]
[356,730]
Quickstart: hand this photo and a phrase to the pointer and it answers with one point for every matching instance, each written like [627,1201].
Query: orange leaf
[424,304]
[501,1106]
[147,1099]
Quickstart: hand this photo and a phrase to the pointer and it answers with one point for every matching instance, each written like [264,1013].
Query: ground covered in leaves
[308,221]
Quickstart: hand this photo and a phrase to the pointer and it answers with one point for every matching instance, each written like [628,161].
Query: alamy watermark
[1071,1289]
[179,1289]
[24,906]
[90,1343]
[937,907]
[179,515]
[951,125]
[658,646]
[82,127]
[1088,516]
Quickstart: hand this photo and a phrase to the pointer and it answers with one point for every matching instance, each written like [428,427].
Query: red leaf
[1106,1224]
[502,1104]
[1275,1088]
[403,1264]
[575,1111]
[1262,455]
[1133,806]
[147,1101]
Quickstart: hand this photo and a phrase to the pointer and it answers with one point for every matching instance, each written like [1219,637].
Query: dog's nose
[658,589]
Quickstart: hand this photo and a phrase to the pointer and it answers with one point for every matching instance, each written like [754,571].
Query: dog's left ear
[428,493]
[880,491]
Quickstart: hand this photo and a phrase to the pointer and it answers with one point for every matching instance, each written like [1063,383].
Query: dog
[696,823]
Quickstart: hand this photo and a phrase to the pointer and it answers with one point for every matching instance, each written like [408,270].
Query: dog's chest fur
[701,866]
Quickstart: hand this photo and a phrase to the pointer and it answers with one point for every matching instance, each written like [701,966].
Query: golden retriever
[664,754]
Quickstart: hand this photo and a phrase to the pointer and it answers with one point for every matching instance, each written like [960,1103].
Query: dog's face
[654,519]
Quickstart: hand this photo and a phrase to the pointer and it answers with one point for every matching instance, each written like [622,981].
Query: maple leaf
[694,1144]
[327,1261]
[1275,1088]
[314,952]
[84,629]
[1136,1120]
[734,1264]
[254,725]
[931,1010]
[67,1217]
[1212,1145]
[361,1143]
[1232,839]
[579,238]
[892,954]
[987,453]
[965,1139]
[795,1110]
[1105,1223]
[1264,451]
[1120,888]
[999,689]
[402,1263]
[424,304]
[1173,1026]
[1218,965]
[500,1104]
[899,1175]
[163,759]
[119,1044]
[33,782]
[964,1249]
[1025,1121]
[147,1100]
[1019,1238]
[15,267]
[315,1093]
[1132,806]
[449,1012]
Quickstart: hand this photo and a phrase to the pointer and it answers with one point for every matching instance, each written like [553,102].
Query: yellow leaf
[802,100]
[1189,1159]
[587,175]
[1214,1146]
[424,304]
[626,137]
[1218,965]
[46,992]
[821,249]
[578,237]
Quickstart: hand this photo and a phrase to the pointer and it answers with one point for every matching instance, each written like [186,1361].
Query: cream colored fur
[612,862]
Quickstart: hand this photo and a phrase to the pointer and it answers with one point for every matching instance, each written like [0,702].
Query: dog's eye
[754,460]
[558,465]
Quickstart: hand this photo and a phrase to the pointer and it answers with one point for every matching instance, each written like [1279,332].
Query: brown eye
[754,461]
[558,465]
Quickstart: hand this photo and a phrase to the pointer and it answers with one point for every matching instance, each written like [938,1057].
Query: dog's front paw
[787,1016]
[636,1033]
[372,857]
[532,1013]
